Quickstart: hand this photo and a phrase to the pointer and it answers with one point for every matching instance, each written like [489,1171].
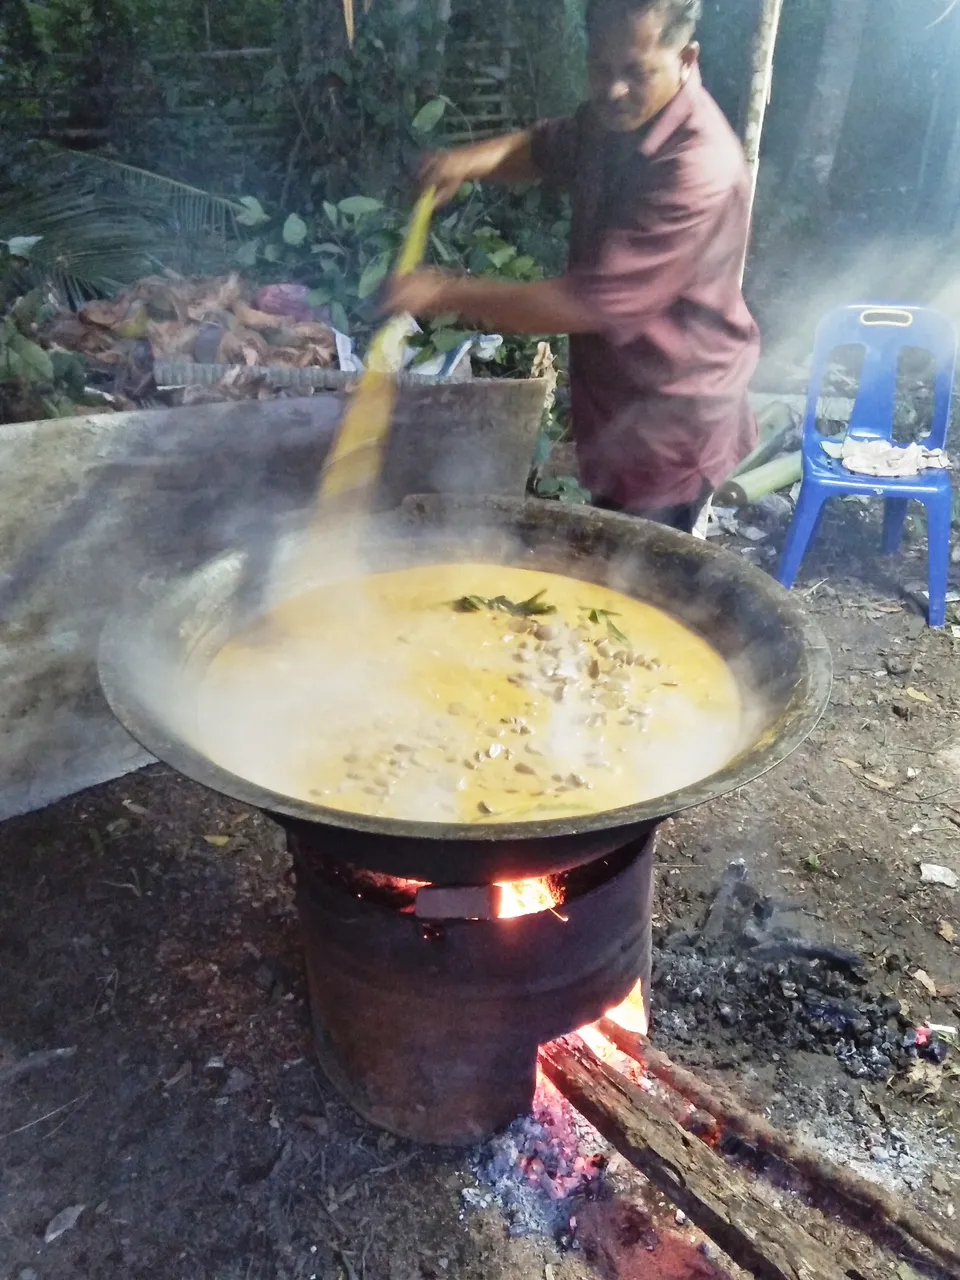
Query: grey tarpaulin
[90,506]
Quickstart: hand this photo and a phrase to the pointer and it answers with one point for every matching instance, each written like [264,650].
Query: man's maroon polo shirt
[660,222]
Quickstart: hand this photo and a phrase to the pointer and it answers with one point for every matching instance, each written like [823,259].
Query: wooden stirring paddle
[352,468]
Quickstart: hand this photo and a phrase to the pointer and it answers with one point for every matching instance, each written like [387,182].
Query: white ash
[901,1155]
[540,1167]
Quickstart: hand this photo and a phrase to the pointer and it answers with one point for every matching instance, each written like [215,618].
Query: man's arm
[542,306]
[638,272]
[507,159]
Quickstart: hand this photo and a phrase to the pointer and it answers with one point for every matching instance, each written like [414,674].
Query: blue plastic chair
[883,332]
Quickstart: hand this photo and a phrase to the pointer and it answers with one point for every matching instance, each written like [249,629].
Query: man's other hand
[446,171]
[421,293]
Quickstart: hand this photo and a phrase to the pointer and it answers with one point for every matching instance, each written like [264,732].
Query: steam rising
[327,700]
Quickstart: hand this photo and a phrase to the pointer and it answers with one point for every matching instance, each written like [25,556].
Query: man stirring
[662,345]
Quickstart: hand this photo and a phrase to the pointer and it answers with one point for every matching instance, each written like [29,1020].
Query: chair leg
[938,556]
[894,514]
[801,530]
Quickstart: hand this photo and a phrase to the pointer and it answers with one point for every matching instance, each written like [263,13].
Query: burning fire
[526,898]
[631,1014]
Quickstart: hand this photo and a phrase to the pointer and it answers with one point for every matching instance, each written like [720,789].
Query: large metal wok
[152,652]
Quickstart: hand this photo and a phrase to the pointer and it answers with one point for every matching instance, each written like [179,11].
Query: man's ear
[689,55]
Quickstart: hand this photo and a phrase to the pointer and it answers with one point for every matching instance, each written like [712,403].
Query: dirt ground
[149,925]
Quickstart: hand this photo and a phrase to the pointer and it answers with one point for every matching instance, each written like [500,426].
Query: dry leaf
[851,764]
[918,695]
[316,1123]
[217,841]
[65,1220]
[105,315]
[923,979]
[250,318]
[922,1080]
[183,1073]
[883,783]
[946,931]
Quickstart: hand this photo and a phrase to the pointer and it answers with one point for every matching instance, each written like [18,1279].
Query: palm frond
[190,210]
[84,247]
[103,224]
[944,15]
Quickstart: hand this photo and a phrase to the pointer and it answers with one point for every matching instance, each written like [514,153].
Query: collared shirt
[659,232]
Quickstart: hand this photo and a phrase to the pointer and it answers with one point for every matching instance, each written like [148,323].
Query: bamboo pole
[774,424]
[743,490]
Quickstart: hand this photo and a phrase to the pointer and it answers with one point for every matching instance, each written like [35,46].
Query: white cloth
[883,458]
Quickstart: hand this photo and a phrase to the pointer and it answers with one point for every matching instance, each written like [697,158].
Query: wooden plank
[877,1208]
[718,1198]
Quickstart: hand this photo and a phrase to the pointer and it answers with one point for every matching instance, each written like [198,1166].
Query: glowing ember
[526,898]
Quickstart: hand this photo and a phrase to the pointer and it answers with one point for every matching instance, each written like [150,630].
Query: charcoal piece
[729,911]
[936,1050]
[787,947]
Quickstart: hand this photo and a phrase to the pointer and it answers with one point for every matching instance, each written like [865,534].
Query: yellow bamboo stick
[353,466]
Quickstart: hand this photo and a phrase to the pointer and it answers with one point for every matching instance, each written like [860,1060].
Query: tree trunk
[761,81]
[817,153]
[940,193]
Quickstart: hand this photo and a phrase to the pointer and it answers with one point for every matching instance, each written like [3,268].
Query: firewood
[872,1203]
[718,1198]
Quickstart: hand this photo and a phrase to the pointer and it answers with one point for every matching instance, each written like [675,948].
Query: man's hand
[421,293]
[505,159]
[540,306]
[446,171]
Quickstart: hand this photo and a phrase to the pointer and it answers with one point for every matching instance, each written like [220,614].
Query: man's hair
[680,17]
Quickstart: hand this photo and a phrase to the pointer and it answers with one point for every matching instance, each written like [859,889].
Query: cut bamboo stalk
[775,423]
[743,490]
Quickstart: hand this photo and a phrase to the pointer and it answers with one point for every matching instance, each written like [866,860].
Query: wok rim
[747,766]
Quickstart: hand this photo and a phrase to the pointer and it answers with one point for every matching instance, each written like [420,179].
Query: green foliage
[429,115]
[345,251]
[88,225]
[563,488]
[534,607]
[34,383]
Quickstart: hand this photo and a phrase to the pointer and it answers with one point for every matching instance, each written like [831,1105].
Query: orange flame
[631,1014]
[526,898]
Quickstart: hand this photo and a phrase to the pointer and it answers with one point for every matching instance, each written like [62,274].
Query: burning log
[872,1203]
[717,1198]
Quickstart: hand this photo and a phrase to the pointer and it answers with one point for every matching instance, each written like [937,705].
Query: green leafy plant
[563,488]
[535,607]
[34,382]
[88,225]
[345,251]
[603,617]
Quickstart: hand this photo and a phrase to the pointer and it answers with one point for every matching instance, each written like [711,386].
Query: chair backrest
[883,332]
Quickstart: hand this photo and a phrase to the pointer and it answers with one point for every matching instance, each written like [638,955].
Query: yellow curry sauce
[380,695]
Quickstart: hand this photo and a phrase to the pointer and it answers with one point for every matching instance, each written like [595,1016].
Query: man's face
[633,75]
